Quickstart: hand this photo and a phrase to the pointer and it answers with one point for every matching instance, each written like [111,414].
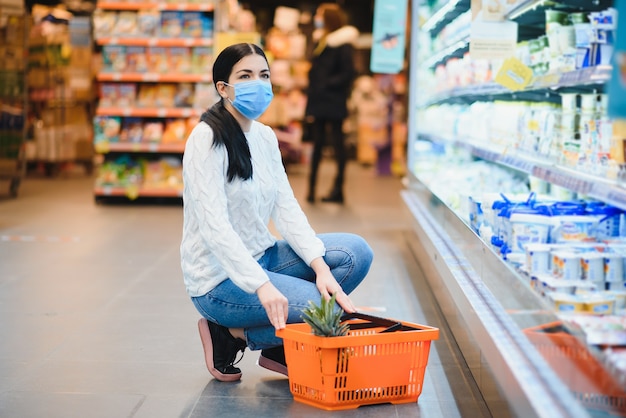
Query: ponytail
[228,133]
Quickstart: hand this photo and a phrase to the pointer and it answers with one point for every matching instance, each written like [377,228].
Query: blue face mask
[252,97]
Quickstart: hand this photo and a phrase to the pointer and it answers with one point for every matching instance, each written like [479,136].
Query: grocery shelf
[155,77]
[148,112]
[140,147]
[547,84]
[609,191]
[182,6]
[444,15]
[455,48]
[165,42]
[136,191]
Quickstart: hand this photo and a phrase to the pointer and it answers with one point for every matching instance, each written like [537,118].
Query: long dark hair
[226,130]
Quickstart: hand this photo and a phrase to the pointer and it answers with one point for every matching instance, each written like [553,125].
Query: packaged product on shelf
[184,95]
[175,131]
[136,59]
[106,129]
[192,24]
[104,22]
[146,96]
[179,60]
[152,131]
[205,96]
[114,58]
[566,265]
[165,95]
[592,267]
[613,267]
[148,23]
[202,60]
[157,57]
[171,24]
[538,259]
[126,24]
[132,130]
[109,94]
[127,95]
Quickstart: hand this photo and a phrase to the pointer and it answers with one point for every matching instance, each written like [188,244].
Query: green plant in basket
[324,319]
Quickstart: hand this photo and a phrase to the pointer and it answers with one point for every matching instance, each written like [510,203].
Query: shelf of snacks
[156,112]
[154,83]
[205,6]
[105,147]
[182,42]
[125,176]
[155,77]
[136,192]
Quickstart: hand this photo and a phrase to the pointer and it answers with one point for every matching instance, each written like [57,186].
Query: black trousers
[321,130]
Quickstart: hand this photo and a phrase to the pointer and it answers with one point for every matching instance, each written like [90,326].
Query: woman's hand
[328,286]
[275,304]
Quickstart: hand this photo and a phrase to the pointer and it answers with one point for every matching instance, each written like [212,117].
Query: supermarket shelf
[455,48]
[166,42]
[135,192]
[155,77]
[149,112]
[444,15]
[182,6]
[140,147]
[547,84]
[602,189]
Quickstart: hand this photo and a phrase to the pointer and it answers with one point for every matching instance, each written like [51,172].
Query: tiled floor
[95,322]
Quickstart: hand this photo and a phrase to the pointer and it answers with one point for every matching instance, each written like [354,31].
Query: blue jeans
[348,256]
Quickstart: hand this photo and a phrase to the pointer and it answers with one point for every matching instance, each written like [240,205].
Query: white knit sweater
[225,226]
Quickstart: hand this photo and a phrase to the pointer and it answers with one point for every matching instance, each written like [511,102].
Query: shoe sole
[207,345]
[272,365]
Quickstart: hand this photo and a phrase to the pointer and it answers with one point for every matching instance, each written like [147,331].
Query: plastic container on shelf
[375,363]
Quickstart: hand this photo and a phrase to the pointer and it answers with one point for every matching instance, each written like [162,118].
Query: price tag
[514,75]
[102,147]
[132,191]
[161,113]
[151,77]
[153,147]
[186,112]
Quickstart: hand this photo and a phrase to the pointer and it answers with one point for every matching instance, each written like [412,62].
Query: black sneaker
[274,359]
[220,350]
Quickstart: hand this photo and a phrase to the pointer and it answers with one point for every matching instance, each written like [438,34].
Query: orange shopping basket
[590,382]
[379,361]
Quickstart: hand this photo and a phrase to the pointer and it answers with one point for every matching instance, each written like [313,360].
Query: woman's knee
[352,245]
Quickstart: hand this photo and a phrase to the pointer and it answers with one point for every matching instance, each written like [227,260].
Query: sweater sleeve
[287,214]
[204,168]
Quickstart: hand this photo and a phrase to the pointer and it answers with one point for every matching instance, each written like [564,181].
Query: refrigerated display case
[530,353]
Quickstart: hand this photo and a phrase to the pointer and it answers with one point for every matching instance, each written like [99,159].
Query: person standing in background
[330,82]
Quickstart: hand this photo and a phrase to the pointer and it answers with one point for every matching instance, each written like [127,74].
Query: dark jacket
[331,75]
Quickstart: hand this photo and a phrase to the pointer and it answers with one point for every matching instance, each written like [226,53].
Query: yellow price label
[132,191]
[514,75]
[102,147]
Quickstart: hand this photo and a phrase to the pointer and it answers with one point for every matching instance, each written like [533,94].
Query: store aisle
[95,322]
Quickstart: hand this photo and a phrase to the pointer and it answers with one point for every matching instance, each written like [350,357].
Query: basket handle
[374,321]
